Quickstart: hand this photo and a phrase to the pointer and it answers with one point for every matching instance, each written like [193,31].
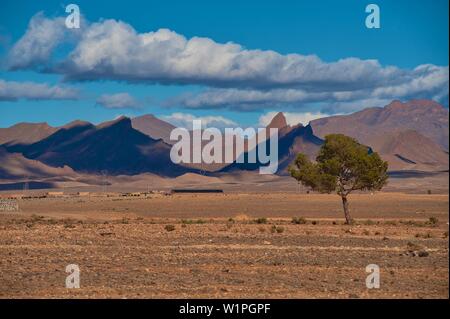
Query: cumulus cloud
[185,120]
[37,44]
[12,91]
[114,50]
[34,50]
[236,77]
[118,101]
[426,81]
[292,118]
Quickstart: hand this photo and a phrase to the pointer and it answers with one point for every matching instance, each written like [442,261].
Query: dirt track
[124,249]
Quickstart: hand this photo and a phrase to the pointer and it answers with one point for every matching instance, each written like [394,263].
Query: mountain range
[410,136]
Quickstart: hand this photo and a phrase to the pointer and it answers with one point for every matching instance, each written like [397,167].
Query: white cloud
[238,78]
[185,120]
[118,101]
[427,81]
[11,91]
[114,50]
[37,44]
[292,118]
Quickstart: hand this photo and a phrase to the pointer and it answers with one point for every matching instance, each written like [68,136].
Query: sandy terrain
[126,248]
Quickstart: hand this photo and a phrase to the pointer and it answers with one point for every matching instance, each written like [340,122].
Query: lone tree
[342,166]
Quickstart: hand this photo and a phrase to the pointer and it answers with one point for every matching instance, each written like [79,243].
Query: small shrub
[261,220]
[169,227]
[413,246]
[429,192]
[298,220]
[276,229]
[279,229]
[314,222]
[52,221]
[432,221]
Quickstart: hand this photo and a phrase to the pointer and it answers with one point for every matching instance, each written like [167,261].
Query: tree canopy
[343,165]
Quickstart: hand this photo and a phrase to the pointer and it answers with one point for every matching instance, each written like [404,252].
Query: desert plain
[236,244]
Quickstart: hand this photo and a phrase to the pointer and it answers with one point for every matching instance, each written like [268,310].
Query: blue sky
[412,33]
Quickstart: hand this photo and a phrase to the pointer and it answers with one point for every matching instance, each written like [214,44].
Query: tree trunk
[348,219]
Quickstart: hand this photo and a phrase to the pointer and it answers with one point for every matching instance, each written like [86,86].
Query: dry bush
[261,220]
[276,229]
[169,227]
[298,220]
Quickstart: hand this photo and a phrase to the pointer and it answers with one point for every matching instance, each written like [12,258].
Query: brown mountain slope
[15,165]
[25,133]
[411,150]
[299,139]
[153,127]
[279,122]
[411,135]
[112,146]
[428,118]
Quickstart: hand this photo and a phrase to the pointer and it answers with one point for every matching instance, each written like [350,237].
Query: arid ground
[231,245]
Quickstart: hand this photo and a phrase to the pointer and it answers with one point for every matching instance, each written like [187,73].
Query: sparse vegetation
[276,229]
[69,223]
[424,235]
[432,221]
[413,246]
[261,220]
[298,220]
[169,227]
